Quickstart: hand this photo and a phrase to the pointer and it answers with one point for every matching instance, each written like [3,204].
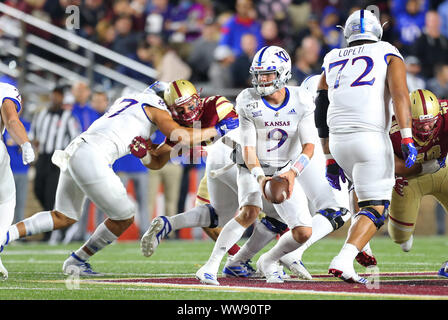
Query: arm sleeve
[307,129]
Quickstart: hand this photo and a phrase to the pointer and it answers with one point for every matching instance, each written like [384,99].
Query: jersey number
[279,135]
[130,102]
[359,81]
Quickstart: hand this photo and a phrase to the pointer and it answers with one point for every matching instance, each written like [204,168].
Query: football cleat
[407,246]
[269,270]
[160,227]
[238,269]
[345,271]
[3,271]
[206,277]
[443,272]
[366,259]
[299,269]
[74,265]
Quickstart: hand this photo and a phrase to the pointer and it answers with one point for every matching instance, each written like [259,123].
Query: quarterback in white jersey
[274,133]
[86,171]
[10,106]
[356,86]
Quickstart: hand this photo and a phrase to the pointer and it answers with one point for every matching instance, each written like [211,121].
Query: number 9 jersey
[356,77]
[277,132]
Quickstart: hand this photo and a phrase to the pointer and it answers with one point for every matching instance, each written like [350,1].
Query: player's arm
[418,169]
[16,130]
[320,114]
[176,133]
[396,82]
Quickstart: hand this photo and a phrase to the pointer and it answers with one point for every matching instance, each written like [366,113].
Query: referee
[51,129]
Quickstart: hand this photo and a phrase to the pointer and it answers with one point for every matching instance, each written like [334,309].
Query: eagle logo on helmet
[184,102]
[426,112]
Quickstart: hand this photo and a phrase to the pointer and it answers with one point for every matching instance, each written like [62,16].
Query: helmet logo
[282,56]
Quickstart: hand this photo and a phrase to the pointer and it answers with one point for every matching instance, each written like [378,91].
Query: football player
[276,125]
[10,108]
[428,176]
[356,86]
[188,109]
[86,172]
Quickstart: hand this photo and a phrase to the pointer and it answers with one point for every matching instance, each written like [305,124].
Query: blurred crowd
[214,41]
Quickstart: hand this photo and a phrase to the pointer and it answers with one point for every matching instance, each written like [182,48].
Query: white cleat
[407,246]
[159,228]
[74,265]
[3,271]
[206,277]
[299,269]
[344,269]
[269,270]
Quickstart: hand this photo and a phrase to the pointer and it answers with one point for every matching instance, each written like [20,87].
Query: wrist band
[257,172]
[406,133]
[300,164]
[146,159]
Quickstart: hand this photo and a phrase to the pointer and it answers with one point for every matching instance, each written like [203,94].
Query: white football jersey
[124,120]
[357,91]
[8,91]
[278,132]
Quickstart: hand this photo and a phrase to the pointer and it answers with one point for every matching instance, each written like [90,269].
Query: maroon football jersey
[436,148]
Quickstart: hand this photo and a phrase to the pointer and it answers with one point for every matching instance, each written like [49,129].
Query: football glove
[27,153]
[226,125]
[442,162]
[400,183]
[333,172]
[139,147]
[409,151]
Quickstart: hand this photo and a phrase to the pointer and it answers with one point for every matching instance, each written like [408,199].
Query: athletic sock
[230,234]
[285,245]
[100,238]
[196,217]
[260,237]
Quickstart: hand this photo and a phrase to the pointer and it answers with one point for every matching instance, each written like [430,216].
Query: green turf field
[35,269]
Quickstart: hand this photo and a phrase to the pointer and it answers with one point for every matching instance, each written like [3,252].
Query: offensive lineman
[86,172]
[9,119]
[276,125]
[356,86]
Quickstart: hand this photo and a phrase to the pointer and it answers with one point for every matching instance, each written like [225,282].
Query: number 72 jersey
[356,79]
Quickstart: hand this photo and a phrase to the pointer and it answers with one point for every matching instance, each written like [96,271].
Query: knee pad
[335,217]
[274,225]
[377,218]
[214,220]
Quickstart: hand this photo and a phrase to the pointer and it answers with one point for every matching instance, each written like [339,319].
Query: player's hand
[333,172]
[290,175]
[226,125]
[139,147]
[27,153]
[409,151]
[262,181]
[400,183]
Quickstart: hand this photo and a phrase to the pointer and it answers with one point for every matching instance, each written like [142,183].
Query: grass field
[35,271]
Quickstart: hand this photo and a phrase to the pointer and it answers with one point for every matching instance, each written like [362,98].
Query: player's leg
[68,203]
[295,213]
[367,160]
[93,179]
[249,198]
[7,202]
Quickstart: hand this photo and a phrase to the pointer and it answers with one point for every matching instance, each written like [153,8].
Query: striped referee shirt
[54,130]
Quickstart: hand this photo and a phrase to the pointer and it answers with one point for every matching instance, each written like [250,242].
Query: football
[276,189]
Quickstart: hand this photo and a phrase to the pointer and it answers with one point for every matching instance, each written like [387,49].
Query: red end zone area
[402,285]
